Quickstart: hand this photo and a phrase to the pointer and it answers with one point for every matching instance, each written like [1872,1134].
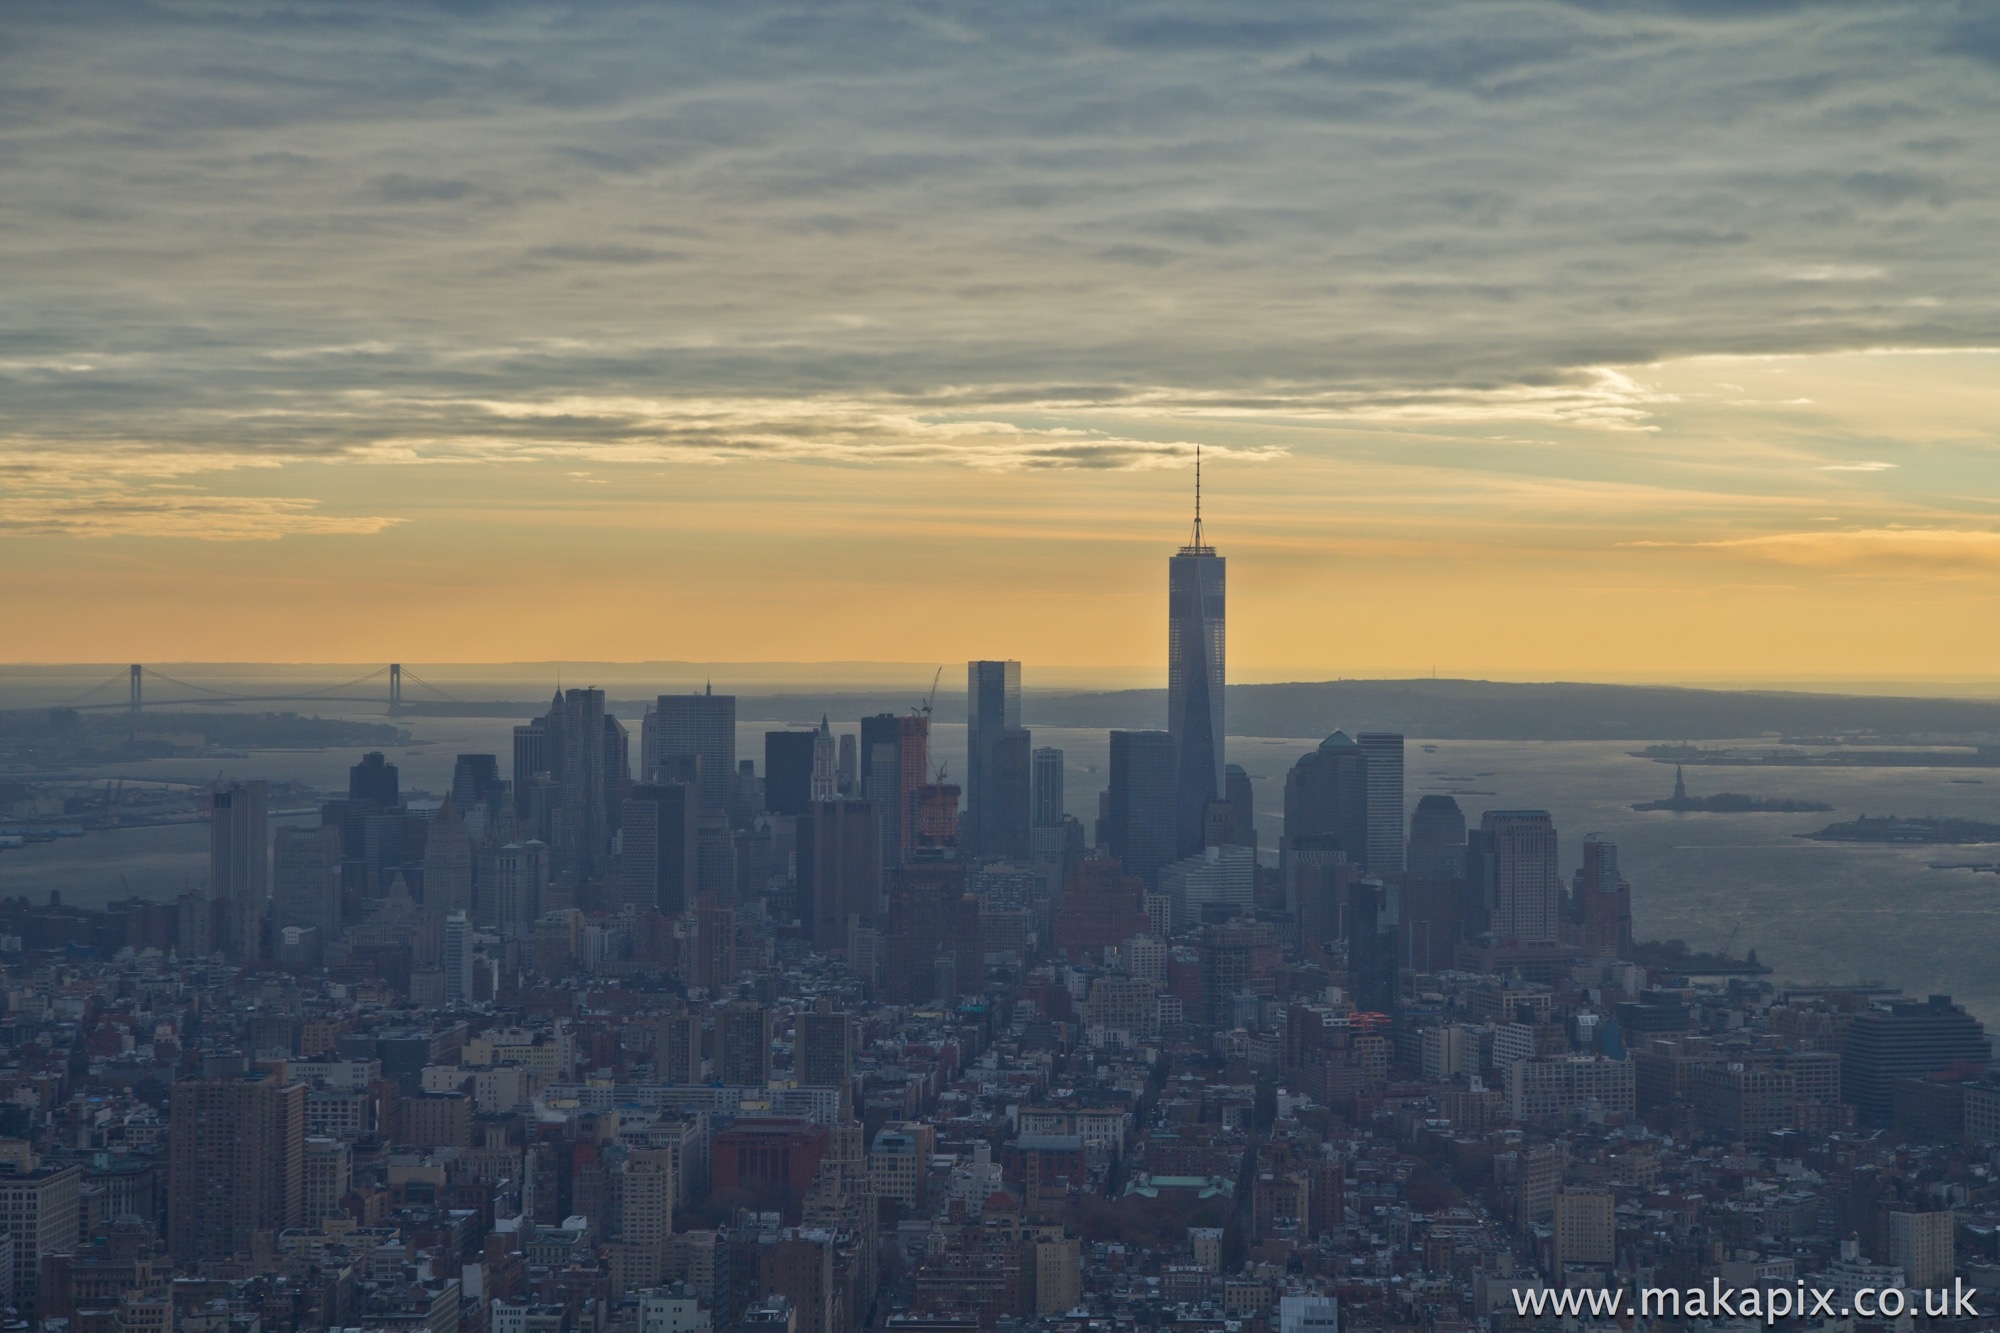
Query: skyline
[719,335]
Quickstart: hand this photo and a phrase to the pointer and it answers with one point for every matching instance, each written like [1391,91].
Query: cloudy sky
[1601,340]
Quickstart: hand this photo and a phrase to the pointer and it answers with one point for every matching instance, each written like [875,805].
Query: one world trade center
[1194,678]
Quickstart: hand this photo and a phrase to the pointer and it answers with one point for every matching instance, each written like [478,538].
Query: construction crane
[929,700]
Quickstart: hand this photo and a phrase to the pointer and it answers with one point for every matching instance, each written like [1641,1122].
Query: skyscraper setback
[569,775]
[1195,678]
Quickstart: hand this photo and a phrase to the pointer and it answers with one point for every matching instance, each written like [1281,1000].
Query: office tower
[374,780]
[677,1047]
[847,774]
[699,725]
[1586,1229]
[1383,752]
[659,856]
[305,879]
[1048,787]
[795,1267]
[788,771]
[746,796]
[825,775]
[839,870]
[992,706]
[1216,882]
[714,951]
[825,1046]
[878,730]
[328,1175]
[513,886]
[882,781]
[1237,811]
[448,861]
[531,764]
[1316,876]
[1140,827]
[1432,915]
[1437,839]
[617,768]
[475,782]
[1011,797]
[1046,833]
[235,1153]
[1195,678]
[926,906]
[457,957]
[1231,954]
[1326,796]
[41,1212]
[913,770]
[1101,907]
[743,1044]
[583,838]
[715,857]
[1905,1039]
[1372,954]
[647,1190]
[1525,888]
[1603,900]
[239,868]
[569,801]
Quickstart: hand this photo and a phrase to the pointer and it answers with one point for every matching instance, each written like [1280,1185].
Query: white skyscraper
[1383,754]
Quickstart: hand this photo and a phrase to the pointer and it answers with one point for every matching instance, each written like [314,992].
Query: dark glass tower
[992,710]
[1139,830]
[1195,644]
[788,771]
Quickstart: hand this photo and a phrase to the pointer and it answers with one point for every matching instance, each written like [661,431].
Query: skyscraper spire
[1196,545]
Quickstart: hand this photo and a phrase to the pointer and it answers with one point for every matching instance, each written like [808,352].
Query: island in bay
[1895,828]
[1727,802]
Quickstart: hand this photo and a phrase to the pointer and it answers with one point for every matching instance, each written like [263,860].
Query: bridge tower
[138,687]
[395,687]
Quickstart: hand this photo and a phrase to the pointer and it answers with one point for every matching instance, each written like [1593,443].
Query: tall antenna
[1196,546]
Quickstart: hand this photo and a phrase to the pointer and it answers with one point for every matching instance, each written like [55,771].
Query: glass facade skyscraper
[992,709]
[1196,644]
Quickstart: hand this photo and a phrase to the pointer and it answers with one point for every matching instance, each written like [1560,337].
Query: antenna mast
[1197,546]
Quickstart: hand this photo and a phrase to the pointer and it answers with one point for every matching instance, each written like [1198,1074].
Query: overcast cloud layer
[240,233]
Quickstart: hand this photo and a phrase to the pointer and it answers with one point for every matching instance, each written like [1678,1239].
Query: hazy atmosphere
[1526,340]
[624,706]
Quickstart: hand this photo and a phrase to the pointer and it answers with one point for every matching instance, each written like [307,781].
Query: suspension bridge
[146,685]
